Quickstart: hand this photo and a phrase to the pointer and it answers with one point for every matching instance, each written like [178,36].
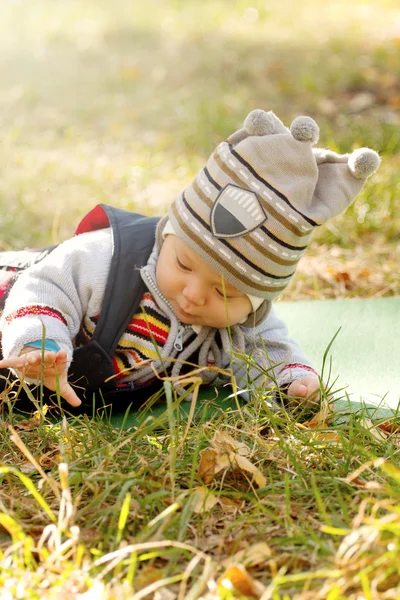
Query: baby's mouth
[185,313]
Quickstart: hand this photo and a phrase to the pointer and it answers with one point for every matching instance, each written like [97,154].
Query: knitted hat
[250,212]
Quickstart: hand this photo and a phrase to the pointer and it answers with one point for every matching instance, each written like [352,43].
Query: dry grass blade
[15,438]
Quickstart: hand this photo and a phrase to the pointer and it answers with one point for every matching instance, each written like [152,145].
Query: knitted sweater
[64,292]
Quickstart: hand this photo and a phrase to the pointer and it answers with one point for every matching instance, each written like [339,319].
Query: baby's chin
[200,320]
[205,323]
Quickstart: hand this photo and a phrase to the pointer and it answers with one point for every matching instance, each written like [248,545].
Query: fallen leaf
[223,462]
[50,458]
[328,438]
[389,426]
[245,465]
[237,578]
[31,423]
[202,500]
[322,418]
[224,442]
[207,465]
[251,556]
[378,433]
[26,425]
[229,504]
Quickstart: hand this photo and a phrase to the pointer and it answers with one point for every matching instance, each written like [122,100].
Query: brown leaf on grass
[376,432]
[229,504]
[202,500]
[322,418]
[245,465]
[394,101]
[148,574]
[389,426]
[223,442]
[207,464]
[327,438]
[237,578]
[254,555]
[50,459]
[226,452]
[26,425]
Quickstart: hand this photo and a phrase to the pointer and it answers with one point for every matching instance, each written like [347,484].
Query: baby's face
[195,291]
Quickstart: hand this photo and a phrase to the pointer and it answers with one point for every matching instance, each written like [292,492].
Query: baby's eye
[182,266]
[222,295]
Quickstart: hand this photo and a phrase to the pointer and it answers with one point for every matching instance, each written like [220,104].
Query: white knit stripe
[224,153]
[203,210]
[270,264]
[272,224]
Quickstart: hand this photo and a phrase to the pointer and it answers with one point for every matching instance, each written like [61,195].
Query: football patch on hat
[235,212]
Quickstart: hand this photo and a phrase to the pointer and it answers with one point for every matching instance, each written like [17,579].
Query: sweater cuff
[294,371]
[50,345]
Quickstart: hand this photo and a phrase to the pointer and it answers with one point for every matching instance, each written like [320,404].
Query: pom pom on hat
[259,122]
[363,162]
[305,129]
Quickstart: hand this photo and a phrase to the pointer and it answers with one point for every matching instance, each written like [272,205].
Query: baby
[131,297]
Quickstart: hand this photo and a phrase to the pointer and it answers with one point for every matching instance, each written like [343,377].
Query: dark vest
[133,237]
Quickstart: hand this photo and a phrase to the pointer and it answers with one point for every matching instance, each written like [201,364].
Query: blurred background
[122,101]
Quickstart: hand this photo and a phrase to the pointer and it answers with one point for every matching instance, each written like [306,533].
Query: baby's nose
[195,293]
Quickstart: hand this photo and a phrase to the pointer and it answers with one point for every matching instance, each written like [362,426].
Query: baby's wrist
[46,344]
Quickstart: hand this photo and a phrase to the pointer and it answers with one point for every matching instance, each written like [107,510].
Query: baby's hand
[307,388]
[29,363]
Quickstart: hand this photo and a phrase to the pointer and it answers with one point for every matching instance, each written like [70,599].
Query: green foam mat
[360,365]
[363,355]
[211,403]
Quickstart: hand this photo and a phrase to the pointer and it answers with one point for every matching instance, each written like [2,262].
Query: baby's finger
[33,358]
[20,362]
[69,395]
[61,357]
[49,359]
[11,363]
[298,389]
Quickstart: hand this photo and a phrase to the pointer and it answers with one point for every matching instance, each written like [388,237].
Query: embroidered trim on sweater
[299,366]
[34,310]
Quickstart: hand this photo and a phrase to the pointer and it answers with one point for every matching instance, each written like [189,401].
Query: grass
[122,103]
[92,509]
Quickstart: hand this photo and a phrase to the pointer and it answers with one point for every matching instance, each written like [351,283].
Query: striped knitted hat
[250,212]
